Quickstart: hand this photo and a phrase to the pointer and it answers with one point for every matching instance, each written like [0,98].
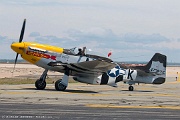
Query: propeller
[22,31]
[20,40]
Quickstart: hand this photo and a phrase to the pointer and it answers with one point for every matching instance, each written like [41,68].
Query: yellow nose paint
[18,47]
[34,56]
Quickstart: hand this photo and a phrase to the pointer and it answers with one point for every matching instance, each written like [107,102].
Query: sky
[132,29]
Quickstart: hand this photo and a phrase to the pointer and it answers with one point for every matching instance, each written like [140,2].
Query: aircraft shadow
[74,91]
[79,91]
[38,90]
[67,90]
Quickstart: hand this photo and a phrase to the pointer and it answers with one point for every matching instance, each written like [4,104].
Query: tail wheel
[131,88]
[40,84]
[59,86]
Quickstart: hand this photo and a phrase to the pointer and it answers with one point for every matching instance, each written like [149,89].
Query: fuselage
[46,56]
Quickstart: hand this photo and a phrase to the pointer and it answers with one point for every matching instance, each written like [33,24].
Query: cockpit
[75,51]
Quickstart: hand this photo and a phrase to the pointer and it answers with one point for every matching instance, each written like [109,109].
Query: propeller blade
[16,59]
[20,40]
[22,31]
[15,62]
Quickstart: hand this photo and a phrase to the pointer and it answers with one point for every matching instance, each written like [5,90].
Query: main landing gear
[41,82]
[60,85]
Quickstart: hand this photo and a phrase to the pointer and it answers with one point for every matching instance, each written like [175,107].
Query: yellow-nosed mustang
[86,68]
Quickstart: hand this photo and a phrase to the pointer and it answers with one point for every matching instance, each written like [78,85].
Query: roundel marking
[114,72]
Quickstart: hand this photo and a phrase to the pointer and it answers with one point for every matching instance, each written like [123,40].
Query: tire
[131,88]
[59,86]
[40,85]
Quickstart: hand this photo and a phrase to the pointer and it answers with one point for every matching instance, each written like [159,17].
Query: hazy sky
[132,29]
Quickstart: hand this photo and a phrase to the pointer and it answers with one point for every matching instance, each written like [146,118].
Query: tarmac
[18,111]
[84,101]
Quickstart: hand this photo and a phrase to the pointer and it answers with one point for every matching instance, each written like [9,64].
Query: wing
[94,66]
[90,67]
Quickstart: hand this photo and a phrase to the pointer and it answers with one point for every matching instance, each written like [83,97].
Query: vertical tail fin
[157,66]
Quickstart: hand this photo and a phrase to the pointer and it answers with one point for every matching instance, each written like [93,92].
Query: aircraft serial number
[157,71]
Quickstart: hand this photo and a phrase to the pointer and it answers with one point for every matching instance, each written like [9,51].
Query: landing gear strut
[40,83]
[131,88]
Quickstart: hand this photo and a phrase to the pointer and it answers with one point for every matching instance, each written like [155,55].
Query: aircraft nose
[17,47]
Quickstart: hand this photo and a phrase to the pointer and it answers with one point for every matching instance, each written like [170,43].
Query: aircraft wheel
[131,88]
[40,85]
[59,86]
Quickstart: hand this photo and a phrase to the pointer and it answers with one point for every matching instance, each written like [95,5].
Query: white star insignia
[113,71]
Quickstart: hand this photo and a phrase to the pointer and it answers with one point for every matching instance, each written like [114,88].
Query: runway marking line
[139,107]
